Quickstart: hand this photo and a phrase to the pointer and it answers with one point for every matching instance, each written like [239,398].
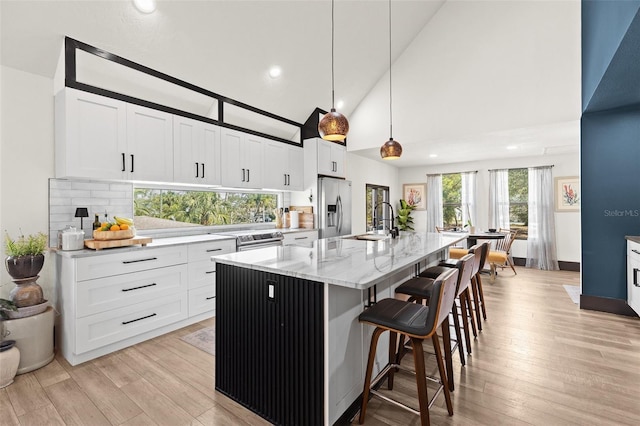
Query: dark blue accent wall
[610,143]
[604,26]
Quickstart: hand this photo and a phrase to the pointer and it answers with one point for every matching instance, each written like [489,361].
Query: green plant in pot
[25,258]
[404,219]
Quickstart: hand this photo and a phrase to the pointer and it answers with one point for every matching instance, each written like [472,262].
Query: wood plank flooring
[539,360]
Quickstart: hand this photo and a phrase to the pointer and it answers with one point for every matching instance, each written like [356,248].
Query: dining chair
[500,257]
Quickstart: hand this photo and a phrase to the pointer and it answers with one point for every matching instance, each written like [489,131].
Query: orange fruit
[114,228]
[124,227]
[103,224]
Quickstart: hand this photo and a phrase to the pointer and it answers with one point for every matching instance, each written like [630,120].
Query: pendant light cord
[333,101]
[390,98]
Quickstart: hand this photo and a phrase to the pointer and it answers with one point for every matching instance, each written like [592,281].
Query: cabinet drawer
[103,294]
[202,300]
[131,261]
[293,238]
[204,251]
[202,274]
[119,324]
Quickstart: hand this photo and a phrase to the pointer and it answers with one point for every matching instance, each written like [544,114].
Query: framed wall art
[415,194]
[568,194]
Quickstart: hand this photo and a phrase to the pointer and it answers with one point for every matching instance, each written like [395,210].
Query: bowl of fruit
[121,228]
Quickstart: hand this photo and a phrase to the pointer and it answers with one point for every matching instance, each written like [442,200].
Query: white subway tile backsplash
[66,195]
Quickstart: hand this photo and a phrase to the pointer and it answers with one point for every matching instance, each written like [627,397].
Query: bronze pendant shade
[333,126]
[391,150]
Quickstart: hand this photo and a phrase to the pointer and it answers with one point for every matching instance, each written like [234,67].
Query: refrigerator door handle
[339,204]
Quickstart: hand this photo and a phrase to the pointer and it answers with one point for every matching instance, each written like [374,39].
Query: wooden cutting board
[102,244]
[305,217]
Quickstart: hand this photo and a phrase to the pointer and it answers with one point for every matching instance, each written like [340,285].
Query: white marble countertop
[341,261]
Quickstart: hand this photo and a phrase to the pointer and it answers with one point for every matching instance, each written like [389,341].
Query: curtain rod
[452,173]
[515,168]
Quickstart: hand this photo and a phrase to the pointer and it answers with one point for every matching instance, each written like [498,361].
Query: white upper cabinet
[283,165]
[241,164]
[91,135]
[196,151]
[104,138]
[331,158]
[149,144]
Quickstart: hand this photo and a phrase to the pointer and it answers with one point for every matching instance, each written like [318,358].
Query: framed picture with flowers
[568,194]
[415,195]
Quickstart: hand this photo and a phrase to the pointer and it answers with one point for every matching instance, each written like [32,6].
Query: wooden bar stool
[465,266]
[418,322]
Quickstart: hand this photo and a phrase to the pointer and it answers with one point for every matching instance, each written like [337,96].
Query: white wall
[362,171]
[567,223]
[26,162]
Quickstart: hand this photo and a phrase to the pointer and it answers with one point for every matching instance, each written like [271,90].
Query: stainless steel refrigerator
[334,207]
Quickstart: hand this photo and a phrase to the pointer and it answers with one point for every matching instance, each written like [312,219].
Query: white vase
[9,361]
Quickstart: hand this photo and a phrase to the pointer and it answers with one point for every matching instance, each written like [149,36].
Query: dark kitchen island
[289,346]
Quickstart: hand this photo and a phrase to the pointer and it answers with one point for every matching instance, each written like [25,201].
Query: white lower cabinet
[301,237]
[202,276]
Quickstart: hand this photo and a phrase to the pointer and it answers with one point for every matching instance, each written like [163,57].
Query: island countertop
[343,261]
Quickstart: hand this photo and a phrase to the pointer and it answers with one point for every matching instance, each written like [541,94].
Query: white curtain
[468,194]
[541,243]
[434,202]
[499,198]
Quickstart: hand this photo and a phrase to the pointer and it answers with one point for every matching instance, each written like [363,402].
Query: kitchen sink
[367,237]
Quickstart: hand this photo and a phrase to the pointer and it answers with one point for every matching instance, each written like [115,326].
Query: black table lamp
[82,212]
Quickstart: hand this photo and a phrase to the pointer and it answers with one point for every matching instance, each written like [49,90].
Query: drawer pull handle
[209,298]
[139,260]
[301,238]
[635,277]
[138,319]
[636,251]
[210,250]
[210,272]
[139,287]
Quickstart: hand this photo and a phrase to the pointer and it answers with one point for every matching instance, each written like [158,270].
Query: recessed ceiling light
[340,104]
[145,6]
[512,147]
[433,155]
[275,72]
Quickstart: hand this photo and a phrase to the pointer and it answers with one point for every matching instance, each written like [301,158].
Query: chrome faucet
[392,229]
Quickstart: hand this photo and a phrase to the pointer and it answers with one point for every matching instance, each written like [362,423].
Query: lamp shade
[391,150]
[333,126]
[82,212]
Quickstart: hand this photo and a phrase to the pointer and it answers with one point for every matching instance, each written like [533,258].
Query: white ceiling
[228,46]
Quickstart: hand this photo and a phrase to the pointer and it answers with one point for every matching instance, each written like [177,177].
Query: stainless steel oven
[252,240]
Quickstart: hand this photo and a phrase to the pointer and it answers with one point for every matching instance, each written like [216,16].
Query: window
[376,194]
[519,201]
[169,208]
[452,200]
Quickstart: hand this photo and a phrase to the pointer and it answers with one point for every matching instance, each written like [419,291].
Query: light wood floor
[539,360]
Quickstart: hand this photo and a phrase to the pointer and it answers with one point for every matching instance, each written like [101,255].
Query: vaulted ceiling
[469,77]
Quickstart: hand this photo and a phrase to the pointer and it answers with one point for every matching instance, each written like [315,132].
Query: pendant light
[333,126]
[390,150]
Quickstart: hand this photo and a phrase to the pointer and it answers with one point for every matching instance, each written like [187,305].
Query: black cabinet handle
[212,297]
[210,272]
[197,170]
[139,319]
[139,260]
[243,175]
[216,249]
[300,238]
[202,170]
[248,175]
[285,179]
[635,277]
[138,288]
[636,251]
[132,159]
[123,165]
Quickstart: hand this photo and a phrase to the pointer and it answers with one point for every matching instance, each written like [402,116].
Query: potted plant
[405,221]
[25,258]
